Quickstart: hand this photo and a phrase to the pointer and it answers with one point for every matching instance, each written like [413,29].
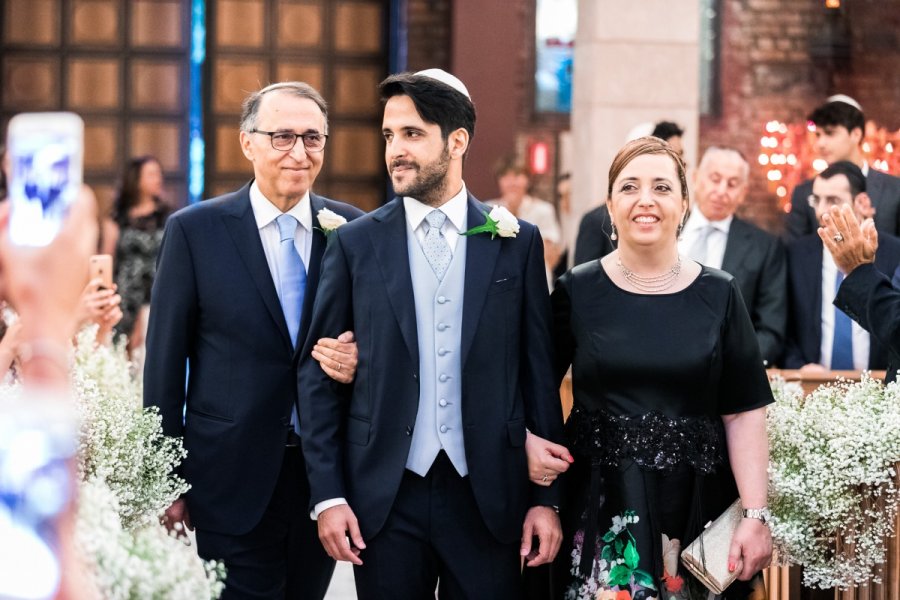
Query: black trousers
[435,537]
[280,558]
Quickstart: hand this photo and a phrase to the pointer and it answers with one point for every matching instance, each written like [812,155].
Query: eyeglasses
[286,140]
[828,201]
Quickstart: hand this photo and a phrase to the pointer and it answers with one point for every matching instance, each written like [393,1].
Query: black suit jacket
[594,233]
[356,446]
[214,305]
[883,190]
[868,297]
[756,260]
[804,259]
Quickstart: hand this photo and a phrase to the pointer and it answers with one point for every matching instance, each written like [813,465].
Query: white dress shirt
[718,238]
[456,210]
[265,214]
[860,336]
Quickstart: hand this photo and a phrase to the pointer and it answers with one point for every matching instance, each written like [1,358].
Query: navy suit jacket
[214,305]
[868,297]
[883,190]
[756,260]
[804,340]
[356,446]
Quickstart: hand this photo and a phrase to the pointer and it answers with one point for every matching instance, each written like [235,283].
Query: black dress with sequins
[651,377]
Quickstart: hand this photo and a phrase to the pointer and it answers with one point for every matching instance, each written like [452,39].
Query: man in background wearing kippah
[840,129]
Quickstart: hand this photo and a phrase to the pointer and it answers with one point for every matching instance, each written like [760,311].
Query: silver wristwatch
[762,514]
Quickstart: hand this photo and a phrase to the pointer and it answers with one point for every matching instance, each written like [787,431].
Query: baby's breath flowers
[833,478]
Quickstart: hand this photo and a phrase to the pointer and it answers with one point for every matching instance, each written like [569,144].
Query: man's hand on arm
[338,357]
[336,525]
[541,522]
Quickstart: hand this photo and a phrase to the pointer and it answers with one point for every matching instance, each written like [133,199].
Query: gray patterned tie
[436,248]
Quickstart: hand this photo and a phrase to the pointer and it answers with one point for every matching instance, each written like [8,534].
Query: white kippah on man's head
[846,100]
[640,130]
[447,79]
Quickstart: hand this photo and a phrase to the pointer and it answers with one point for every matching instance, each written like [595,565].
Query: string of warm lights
[787,153]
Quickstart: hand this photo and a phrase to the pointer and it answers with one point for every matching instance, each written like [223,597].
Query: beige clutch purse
[707,556]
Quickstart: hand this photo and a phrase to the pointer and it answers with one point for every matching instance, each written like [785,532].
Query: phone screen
[38,440]
[45,160]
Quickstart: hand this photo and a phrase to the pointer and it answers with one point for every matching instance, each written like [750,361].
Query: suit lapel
[392,255]
[241,225]
[736,248]
[811,273]
[481,256]
[314,268]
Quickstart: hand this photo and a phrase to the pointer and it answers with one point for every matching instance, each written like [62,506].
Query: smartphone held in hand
[45,153]
[101,267]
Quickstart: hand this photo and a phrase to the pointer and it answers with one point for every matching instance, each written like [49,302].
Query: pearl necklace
[654,284]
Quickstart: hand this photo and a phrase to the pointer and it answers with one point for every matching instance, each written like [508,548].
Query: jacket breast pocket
[358,431]
[504,284]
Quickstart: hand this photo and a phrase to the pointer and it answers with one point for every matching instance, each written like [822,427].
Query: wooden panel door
[338,47]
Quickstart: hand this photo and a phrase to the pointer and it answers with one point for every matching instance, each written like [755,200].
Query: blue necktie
[291,276]
[842,347]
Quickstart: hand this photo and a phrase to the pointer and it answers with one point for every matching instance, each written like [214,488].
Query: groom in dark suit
[232,298]
[423,465]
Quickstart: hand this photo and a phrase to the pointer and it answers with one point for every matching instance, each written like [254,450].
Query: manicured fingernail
[570,458]
[523,551]
[731,567]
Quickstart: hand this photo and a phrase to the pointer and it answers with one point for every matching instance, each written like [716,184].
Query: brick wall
[774,65]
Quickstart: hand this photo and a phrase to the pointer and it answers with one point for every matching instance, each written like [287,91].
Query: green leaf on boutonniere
[489,226]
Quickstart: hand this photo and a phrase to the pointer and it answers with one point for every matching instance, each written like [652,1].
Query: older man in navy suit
[232,298]
[423,465]
[820,335]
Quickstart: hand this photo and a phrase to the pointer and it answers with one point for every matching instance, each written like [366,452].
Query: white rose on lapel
[507,224]
[498,222]
[329,220]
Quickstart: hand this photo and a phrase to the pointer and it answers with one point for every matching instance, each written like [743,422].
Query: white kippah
[846,100]
[447,79]
[640,130]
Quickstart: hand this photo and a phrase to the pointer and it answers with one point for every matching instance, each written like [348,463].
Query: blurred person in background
[715,237]
[840,130]
[133,237]
[513,179]
[820,335]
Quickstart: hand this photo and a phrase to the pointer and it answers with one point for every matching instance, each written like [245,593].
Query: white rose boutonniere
[329,220]
[498,222]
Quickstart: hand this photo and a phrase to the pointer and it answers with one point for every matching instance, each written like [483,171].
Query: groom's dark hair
[436,102]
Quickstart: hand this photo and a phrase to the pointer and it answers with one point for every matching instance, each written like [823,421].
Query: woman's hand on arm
[546,460]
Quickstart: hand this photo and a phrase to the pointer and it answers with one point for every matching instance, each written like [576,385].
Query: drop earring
[614,236]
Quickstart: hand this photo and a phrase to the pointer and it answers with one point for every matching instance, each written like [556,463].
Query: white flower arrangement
[142,562]
[833,478]
[126,468]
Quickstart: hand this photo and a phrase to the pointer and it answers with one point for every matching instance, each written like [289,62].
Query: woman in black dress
[668,423]
[139,220]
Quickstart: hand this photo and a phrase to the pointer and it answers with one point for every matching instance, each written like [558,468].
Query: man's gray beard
[430,183]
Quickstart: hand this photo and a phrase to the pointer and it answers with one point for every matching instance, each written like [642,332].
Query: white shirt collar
[698,220]
[865,168]
[265,212]
[455,209]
